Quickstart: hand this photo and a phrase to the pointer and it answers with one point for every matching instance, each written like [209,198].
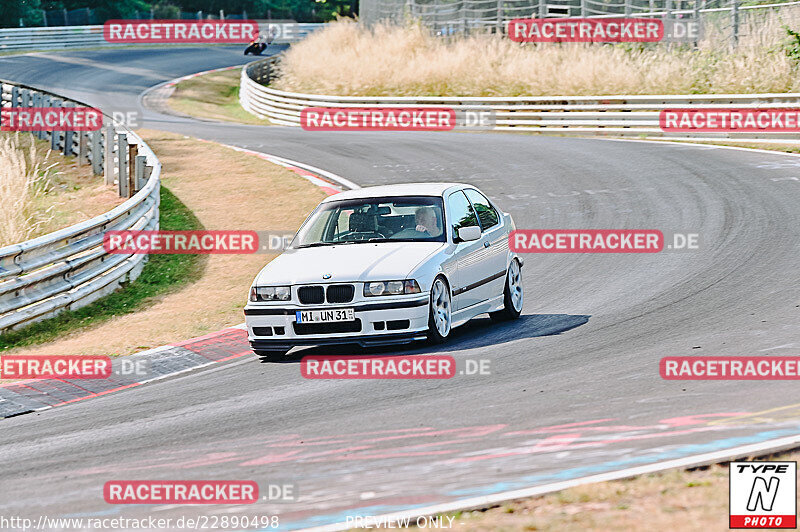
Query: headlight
[270,293]
[391,288]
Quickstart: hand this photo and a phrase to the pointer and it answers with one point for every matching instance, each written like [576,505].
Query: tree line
[16,13]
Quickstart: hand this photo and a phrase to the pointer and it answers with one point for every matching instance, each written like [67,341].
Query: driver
[425,218]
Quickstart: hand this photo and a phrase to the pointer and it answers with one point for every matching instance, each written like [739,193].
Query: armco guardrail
[70,268]
[12,39]
[629,116]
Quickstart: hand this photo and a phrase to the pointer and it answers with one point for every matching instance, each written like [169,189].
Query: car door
[494,240]
[467,255]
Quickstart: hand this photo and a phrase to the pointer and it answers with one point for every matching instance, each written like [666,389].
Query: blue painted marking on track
[341,517]
[567,474]
[577,472]
[113,510]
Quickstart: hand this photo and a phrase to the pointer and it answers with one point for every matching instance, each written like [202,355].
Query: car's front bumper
[382,322]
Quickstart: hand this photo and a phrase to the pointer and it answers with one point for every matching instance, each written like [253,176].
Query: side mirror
[468,234]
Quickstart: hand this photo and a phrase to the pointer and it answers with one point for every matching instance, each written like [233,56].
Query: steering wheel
[364,235]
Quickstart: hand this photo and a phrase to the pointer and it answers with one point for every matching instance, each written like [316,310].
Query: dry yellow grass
[347,59]
[41,191]
[23,181]
[673,500]
[249,194]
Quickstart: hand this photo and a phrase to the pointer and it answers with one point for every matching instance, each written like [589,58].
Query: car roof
[405,189]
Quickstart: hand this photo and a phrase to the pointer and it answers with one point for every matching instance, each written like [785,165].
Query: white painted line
[719,146]
[313,169]
[153,350]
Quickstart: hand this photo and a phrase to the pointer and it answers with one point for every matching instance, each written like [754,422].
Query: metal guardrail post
[131,159]
[108,165]
[14,96]
[583,8]
[543,8]
[122,164]
[97,153]
[83,151]
[68,135]
[39,101]
[55,136]
[735,22]
[140,163]
[627,8]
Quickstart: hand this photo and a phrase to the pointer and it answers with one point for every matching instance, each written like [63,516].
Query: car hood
[347,262]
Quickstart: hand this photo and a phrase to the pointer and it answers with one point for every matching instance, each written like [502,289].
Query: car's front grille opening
[262,331]
[311,294]
[340,293]
[379,325]
[328,328]
[280,330]
[396,325]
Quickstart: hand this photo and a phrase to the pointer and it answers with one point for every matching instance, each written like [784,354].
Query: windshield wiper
[318,244]
[314,245]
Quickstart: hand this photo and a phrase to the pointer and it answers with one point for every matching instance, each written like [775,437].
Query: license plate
[318,316]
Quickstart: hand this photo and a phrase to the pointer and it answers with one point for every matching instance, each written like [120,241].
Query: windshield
[391,219]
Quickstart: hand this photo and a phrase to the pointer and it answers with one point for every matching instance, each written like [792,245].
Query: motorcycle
[255,47]
[260,44]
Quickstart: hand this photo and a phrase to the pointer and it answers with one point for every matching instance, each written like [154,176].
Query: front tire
[275,355]
[440,313]
[513,295]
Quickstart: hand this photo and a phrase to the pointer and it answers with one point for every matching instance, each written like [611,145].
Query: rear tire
[513,295]
[274,355]
[440,312]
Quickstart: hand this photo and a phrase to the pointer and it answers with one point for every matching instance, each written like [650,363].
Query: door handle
[487,244]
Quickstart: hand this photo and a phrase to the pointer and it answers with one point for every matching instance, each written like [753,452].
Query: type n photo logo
[763,495]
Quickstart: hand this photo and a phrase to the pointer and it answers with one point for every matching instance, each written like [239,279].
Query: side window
[460,213]
[486,213]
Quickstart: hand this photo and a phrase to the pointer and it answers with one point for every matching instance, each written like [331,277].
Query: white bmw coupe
[385,265]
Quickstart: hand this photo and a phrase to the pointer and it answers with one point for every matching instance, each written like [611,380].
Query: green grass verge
[214,96]
[161,275]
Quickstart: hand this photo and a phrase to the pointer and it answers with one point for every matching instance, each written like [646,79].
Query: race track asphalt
[574,386]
